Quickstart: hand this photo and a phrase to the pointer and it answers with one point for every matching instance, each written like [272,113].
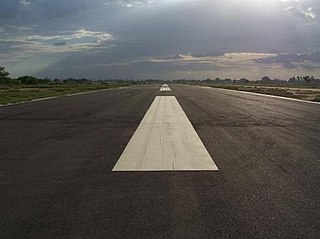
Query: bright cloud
[26,45]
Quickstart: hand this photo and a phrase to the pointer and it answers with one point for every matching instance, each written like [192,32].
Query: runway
[57,157]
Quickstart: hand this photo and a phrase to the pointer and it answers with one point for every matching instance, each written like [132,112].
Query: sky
[160,39]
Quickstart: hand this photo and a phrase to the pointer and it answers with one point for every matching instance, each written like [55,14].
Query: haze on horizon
[166,39]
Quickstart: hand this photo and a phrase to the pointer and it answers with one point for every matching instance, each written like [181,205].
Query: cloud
[44,8]
[308,9]
[308,13]
[9,8]
[25,45]
[293,60]
[60,8]
[135,3]
[60,44]
[127,37]
[25,2]
[167,65]
[226,59]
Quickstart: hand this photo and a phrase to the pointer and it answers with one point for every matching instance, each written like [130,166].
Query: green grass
[24,93]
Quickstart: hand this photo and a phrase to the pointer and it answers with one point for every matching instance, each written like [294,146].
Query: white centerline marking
[165,87]
[165,140]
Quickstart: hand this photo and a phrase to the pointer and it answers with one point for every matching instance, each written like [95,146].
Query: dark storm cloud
[292,60]
[59,8]
[59,43]
[9,8]
[30,9]
[133,70]
[200,28]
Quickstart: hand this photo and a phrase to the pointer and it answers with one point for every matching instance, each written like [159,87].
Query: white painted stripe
[90,92]
[30,101]
[165,88]
[259,94]
[46,98]
[165,140]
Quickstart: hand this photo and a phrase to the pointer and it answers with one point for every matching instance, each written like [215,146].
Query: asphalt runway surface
[57,156]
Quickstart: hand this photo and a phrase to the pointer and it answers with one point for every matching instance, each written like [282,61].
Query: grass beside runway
[310,94]
[24,93]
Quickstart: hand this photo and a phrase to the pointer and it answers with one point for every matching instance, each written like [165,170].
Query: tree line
[31,80]
[303,80]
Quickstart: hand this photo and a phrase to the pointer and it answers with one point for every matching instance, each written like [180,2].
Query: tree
[3,73]
[266,79]
[306,79]
[28,80]
[292,80]
[244,80]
